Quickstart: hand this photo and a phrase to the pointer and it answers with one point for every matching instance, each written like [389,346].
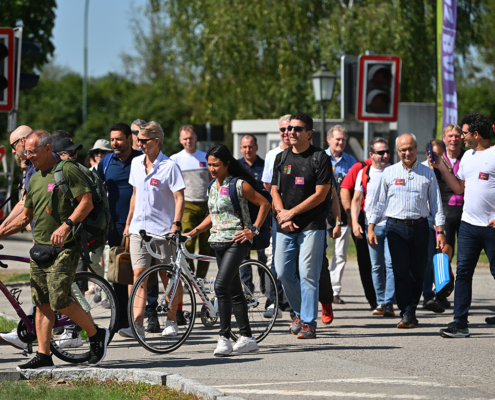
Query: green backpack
[95,228]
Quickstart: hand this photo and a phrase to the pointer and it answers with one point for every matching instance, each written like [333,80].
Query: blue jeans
[279,288]
[302,292]
[409,251]
[471,240]
[381,268]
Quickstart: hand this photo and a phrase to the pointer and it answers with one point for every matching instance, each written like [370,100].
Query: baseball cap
[65,144]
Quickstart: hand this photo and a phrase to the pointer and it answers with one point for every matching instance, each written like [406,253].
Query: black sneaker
[153,324]
[306,332]
[445,302]
[455,330]
[98,346]
[407,322]
[40,361]
[435,305]
[490,320]
[181,320]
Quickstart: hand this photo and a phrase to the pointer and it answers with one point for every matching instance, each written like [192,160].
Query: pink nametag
[400,182]
[484,176]
[50,187]
[224,191]
[299,180]
[202,164]
[155,182]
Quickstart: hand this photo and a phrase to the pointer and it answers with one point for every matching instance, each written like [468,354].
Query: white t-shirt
[194,168]
[269,163]
[375,176]
[154,207]
[477,169]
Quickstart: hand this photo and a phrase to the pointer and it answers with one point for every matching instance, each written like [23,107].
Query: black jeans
[228,289]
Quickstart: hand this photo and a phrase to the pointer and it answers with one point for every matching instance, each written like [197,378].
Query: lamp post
[85,77]
[323,86]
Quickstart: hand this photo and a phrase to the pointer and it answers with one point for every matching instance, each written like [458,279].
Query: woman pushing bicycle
[231,237]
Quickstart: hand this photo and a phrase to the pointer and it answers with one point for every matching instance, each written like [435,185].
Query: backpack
[315,164]
[365,179]
[262,240]
[95,228]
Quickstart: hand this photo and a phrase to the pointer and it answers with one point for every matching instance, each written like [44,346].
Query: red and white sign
[378,88]
[2,152]
[7,66]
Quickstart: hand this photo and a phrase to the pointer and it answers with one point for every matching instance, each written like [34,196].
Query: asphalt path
[357,356]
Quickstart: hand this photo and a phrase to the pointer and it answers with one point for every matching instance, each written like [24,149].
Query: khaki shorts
[51,281]
[140,258]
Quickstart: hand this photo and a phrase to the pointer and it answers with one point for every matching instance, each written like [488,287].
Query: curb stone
[173,381]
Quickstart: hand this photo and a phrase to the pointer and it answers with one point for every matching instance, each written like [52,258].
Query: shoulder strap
[61,182]
[365,178]
[106,162]
[209,186]
[363,164]
[235,199]
[279,166]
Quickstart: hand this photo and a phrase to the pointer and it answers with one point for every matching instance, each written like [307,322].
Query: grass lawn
[7,277]
[41,389]
[7,325]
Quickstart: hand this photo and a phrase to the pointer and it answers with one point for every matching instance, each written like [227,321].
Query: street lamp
[323,86]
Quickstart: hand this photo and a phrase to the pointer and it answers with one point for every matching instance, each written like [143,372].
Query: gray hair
[371,144]
[339,128]
[285,117]
[43,136]
[138,122]
[405,134]
[152,129]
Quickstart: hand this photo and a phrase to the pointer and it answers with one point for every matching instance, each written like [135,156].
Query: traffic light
[29,50]
[378,88]
[6,69]
[348,86]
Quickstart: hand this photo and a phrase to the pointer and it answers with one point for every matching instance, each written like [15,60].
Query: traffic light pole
[323,128]
[85,78]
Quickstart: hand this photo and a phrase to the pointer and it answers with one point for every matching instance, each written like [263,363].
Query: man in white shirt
[476,179]
[194,167]
[157,206]
[367,182]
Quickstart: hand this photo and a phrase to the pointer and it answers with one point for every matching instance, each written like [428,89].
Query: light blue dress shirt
[343,165]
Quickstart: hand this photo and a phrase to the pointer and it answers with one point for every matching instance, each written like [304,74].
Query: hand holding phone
[431,152]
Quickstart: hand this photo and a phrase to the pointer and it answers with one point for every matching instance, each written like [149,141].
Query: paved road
[358,356]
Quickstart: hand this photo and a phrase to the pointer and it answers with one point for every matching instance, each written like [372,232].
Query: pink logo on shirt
[50,187]
[224,191]
[202,164]
[484,176]
[155,182]
[400,182]
[299,180]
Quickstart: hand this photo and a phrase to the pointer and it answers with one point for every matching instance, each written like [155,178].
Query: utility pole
[85,77]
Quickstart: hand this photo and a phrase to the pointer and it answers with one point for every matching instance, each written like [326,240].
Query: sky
[109,34]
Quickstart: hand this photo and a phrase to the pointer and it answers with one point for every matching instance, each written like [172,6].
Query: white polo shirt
[269,164]
[154,207]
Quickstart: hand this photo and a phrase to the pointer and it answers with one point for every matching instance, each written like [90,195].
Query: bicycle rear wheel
[75,348]
[256,293]
[155,338]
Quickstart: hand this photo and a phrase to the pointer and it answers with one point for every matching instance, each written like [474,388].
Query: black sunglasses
[70,153]
[282,130]
[382,152]
[13,144]
[134,132]
[296,128]
[146,140]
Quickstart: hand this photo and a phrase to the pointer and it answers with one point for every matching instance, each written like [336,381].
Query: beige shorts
[140,258]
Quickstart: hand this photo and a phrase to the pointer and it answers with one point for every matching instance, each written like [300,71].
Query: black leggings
[228,289]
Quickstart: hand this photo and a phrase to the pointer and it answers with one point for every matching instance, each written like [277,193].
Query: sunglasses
[282,129]
[101,153]
[296,128]
[134,132]
[382,152]
[145,140]
[13,144]
[32,152]
[70,153]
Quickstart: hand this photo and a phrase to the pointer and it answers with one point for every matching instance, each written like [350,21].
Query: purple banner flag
[446,90]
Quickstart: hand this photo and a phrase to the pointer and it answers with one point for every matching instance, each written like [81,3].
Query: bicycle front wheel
[88,290]
[174,316]
[257,290]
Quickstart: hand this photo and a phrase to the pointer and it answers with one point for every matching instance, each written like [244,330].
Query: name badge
[155,182]
[299,180]
[50,187]
[484,176]
[400,182]
[224,191]
[202,164]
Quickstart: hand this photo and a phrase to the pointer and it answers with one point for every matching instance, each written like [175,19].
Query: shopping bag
[444,277]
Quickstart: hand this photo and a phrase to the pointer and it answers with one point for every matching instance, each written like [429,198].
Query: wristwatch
[178,224]
[339,223]
[441,232]
[255,230]
[68,221]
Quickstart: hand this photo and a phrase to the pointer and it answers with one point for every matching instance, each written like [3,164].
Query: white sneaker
[70,338]
[13,339]
[246,345]
[171,329]
[127,332]
[224,347]
[269,312]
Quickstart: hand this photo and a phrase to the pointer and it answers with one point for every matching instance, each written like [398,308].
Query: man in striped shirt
[412,193]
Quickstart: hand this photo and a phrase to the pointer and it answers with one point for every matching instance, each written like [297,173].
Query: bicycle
[178,273]
[101,316]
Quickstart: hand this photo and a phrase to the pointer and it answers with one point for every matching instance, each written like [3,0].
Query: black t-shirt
[298,182]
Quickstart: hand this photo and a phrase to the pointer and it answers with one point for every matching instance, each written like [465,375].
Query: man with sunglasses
[476,179]
[66,148]
[408,193]
[135,130]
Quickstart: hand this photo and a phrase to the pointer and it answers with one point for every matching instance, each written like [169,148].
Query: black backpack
[262,240]
[317,159]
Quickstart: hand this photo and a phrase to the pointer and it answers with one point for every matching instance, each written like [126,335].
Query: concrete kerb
[173,381]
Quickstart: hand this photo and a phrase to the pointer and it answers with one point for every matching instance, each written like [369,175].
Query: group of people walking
[398,215]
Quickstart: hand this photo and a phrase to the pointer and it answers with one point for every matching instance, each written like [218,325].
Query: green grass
[6,277]
[7,325]
[41,389]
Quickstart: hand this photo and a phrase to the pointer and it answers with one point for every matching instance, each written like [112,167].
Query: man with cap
[66,148]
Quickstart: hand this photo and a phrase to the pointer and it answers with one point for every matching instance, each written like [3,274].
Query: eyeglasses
[381,152]
[296,128]
[144,141]
[282,129]
[465,133]
[70,153]
[32,152]
[101,153]
[408,149]
[134,132]
[13,144]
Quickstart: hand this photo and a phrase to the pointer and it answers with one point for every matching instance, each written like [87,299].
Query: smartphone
[431,151]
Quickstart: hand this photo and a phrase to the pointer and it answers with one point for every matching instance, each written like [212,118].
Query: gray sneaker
[296,326]
[453,330]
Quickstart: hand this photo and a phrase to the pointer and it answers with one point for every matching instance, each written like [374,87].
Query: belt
[407,222]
